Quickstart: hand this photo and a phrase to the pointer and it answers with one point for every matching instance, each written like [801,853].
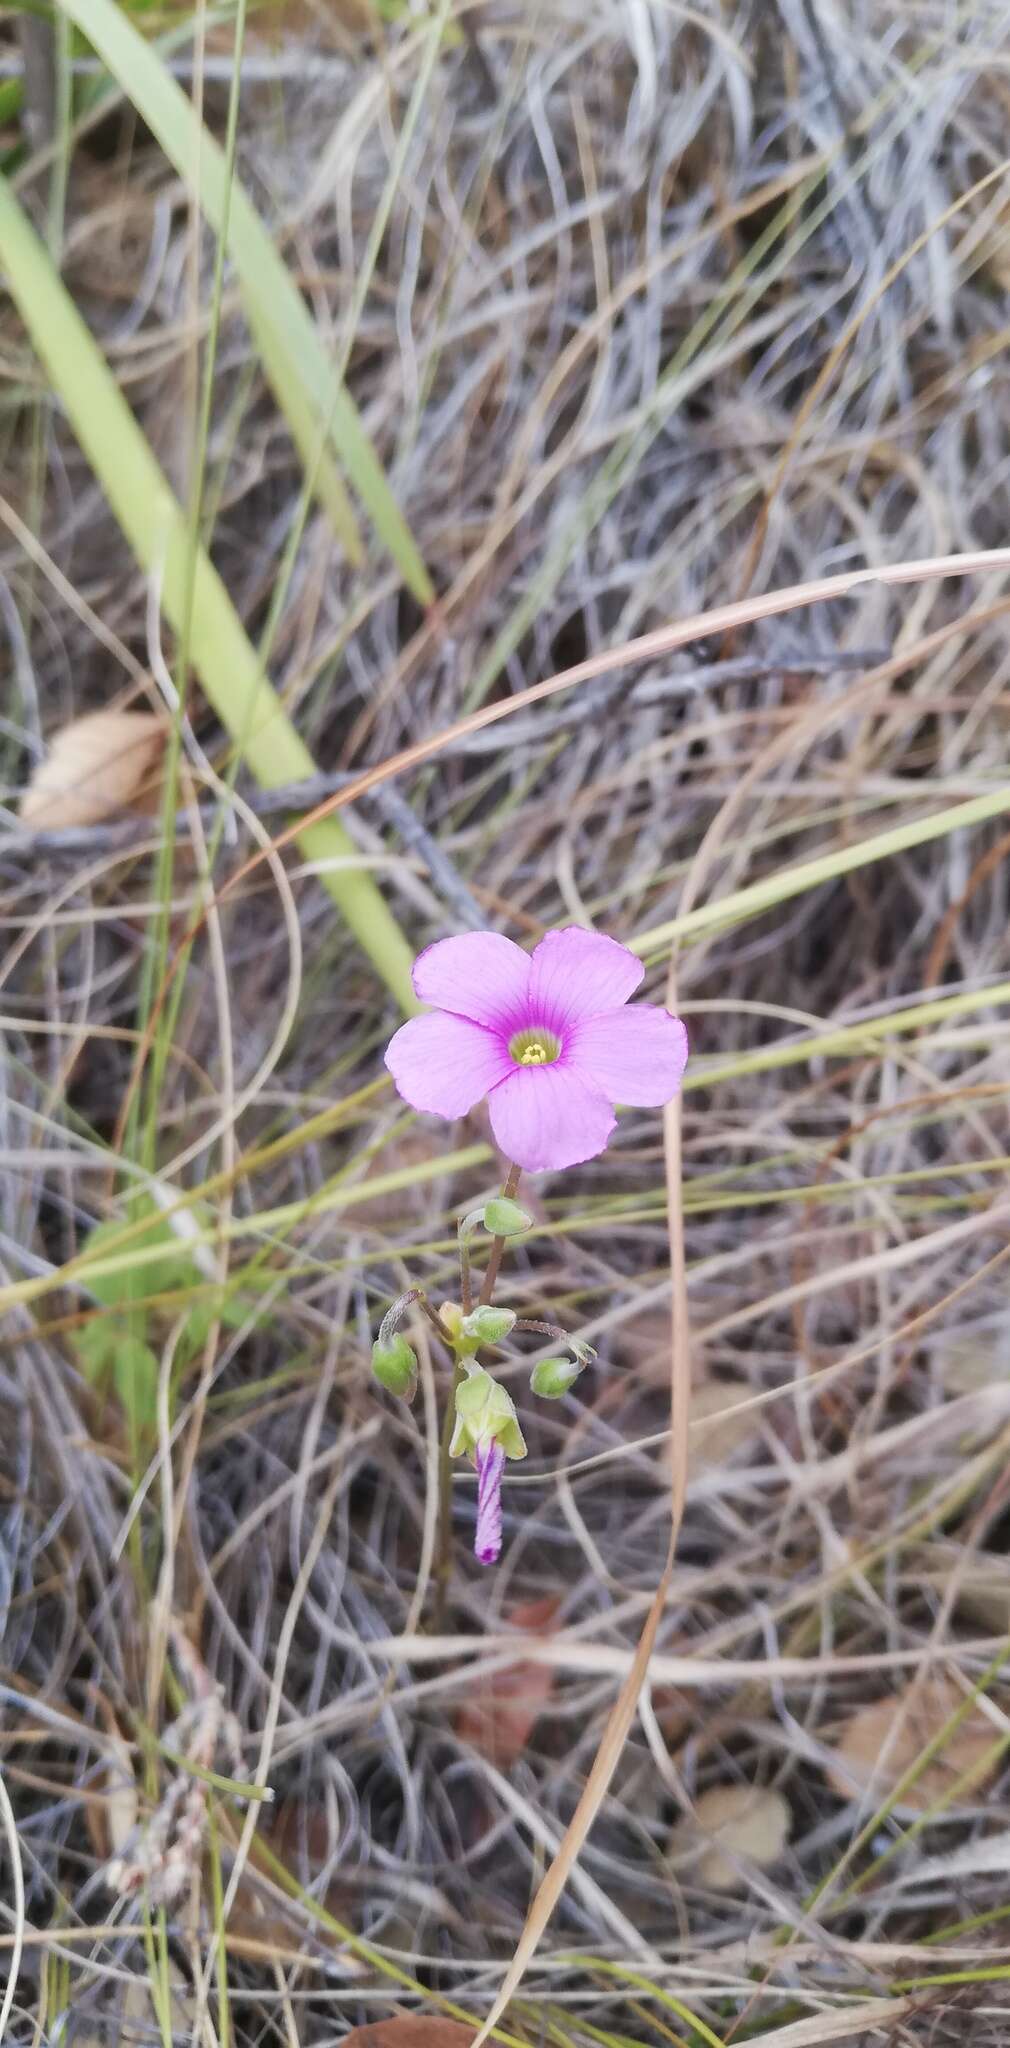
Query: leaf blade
[154,525]
[292,353]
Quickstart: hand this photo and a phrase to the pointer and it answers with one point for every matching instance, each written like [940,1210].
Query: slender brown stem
[416,1296]
[433,1316]
[499,1243]
[443,1564]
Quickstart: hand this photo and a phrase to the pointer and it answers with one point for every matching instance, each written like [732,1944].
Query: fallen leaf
[966,1364]
[398,1204]
[300,1835]
[406,2031]
[982,1590]
[717,1433]
[140,2013]
[642,1341]
[138,2018]
[112,1816]
[502,1711]
[96,768]
[121,1810]
[733,1825]
[876,1746]
[265,1923]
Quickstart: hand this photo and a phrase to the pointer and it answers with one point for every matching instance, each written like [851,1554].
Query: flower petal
[481,975]
[548,1117]
[633,1056]
[490,1466]
[576,973]
[444,1064]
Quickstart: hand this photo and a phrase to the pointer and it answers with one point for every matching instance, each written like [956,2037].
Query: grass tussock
[664,308]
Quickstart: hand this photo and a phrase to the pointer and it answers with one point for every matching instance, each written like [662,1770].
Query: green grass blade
[156,529]
[792,881]
[294,358]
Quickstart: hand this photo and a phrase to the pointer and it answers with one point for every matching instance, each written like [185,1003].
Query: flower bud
[485,1413]
[504,1218]
[395,1367]
[487,1326]
[553,1377]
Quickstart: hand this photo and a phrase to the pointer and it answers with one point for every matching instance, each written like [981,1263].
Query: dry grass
[627,241]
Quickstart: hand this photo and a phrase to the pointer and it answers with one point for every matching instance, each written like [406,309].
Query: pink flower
[545,1036]
[490,1457]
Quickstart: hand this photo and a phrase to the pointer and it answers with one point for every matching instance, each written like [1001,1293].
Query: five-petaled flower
[544,1035]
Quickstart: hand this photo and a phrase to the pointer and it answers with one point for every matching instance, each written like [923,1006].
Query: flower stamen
[535,1048]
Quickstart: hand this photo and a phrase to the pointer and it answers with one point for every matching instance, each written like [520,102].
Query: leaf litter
[635,189]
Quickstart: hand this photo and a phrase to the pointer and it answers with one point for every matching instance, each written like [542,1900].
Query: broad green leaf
[293,355]
[220,1307]
[112,1347]
[135,1379]
[114,1357]
[170,1267]
[153,523]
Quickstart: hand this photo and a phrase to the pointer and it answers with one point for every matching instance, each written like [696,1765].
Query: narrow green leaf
[153,523]
[176,1265]
[135,1378]
[293,355]
[114,1357]
[796,880]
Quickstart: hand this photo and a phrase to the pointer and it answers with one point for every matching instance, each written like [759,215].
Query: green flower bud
[484,1410]
[504,1218]
[486,1326]
[553,1377]
[395,1367]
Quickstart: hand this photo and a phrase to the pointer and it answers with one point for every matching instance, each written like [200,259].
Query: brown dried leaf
[503,1709]
[967,1364]
[297,1830]
[140,2019]
[97,768]
[720,1433]
[113,1815]
[642,1341]
[982,1589]
[406,2031]
[734,1824]
[873,1748]
[402,1203]
[268,1924]
[120,1812]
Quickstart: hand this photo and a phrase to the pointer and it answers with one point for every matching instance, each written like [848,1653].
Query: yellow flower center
[534,1048]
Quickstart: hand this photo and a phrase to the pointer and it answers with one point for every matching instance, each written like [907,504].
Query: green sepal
[505,1218]
[395,1367]
[553,1377]
[485,1410]
[486,1326]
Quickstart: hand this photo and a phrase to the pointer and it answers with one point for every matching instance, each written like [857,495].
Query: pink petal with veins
[490,1466]
[574,974]
[444,1064]
[548,1117]
[480,975]
[632,1056]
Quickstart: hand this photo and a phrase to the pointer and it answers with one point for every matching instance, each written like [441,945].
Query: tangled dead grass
[673,304]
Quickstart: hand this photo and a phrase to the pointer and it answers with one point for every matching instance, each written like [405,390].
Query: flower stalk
[551,1041]
[499,1243]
